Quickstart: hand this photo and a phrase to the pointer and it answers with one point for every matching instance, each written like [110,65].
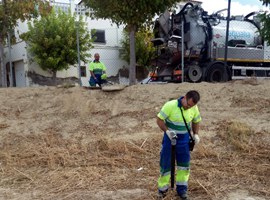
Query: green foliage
[52,41]
[129,12]
[264,30]
[265,19]
[265,2]
[11,11]
[143,48]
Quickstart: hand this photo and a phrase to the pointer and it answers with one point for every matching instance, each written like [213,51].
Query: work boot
[161,195]
[183,196]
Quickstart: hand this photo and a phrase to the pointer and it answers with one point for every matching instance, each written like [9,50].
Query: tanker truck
[194,41]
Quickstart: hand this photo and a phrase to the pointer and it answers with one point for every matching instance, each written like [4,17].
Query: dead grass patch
[251,81]
[238,159]
[3,126]
[63,165]
[254,104]
[57,167]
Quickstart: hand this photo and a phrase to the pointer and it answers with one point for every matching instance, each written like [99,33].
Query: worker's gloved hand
[170,134]
[196,138]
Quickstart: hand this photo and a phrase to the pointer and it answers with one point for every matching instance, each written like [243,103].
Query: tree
[265,2]
[265,19]
[144,49]
[133,14]
[52,41]
[10,13]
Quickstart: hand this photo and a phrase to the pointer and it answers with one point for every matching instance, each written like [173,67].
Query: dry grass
[62,168]
[237,158]
[3,126]
[250,81]
[256,104]
[56,166]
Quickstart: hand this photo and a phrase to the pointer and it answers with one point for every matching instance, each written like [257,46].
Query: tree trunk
[54,78]
[132,67]
[4,21]
[2,67]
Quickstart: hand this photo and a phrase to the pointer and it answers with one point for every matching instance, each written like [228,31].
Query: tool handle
[172,166]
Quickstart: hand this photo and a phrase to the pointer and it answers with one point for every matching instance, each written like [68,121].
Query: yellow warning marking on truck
[243,60]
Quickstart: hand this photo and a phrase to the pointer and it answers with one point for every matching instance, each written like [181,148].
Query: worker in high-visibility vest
[169,120]
[98,72]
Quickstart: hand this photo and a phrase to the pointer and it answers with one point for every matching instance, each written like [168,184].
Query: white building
[107,44]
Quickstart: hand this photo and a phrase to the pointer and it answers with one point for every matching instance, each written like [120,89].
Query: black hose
[251,21]
[248,15]
[184,8]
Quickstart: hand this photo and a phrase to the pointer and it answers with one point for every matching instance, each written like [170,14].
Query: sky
[238,7]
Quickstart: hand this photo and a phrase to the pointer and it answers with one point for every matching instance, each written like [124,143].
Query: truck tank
[242,32]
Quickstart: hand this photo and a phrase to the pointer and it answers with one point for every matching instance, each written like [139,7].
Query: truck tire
[194,73]
[217,73]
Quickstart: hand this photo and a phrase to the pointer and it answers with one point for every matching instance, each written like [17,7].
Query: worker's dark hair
[194,95]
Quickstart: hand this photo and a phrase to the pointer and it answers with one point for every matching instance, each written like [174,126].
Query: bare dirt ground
[74,143]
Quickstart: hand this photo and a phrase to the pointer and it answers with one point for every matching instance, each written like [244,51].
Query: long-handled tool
[173,142]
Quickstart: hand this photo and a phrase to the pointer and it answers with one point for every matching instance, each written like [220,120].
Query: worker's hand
[171,134]
[196,138]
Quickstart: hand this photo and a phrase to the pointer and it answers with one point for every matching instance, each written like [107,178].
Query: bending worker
[170,120]
[97,71]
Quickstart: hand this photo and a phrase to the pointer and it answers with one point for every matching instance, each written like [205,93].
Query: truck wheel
[194,73]
[217,73]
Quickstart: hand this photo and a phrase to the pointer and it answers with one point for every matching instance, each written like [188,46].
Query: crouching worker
[97,71]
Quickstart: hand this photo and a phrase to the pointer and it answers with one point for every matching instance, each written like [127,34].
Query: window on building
[99,36]
[83,71]
[62,6]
